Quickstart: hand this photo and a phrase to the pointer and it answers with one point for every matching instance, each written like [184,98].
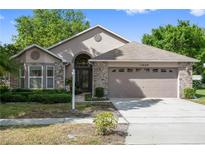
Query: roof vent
[35,55]
[98,37]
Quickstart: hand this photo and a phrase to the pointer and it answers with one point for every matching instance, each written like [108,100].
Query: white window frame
[21,77]
[49,77]
[35,77]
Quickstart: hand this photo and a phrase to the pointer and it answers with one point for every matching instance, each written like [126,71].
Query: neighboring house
[102,58]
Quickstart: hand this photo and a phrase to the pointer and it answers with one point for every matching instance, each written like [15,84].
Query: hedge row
[40,90]
[39,98]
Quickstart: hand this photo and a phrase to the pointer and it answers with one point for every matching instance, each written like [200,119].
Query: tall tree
[47,27]
[184,38]
[7,65]
[8,49]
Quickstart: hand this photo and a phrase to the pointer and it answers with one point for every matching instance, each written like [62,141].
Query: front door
[83,73]
[83,79]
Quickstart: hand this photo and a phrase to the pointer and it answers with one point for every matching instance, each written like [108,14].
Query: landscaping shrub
[189,93]
[39,96]
[99,92]
[3,89]
[197,84]
[105,122]
[50,98]
[203,77]
[88,97]
[39,90]
[9,97]
[49,91]
[21,90]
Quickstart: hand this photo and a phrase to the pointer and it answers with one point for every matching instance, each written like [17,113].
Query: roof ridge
[85,31]
[134,51]
[38,46]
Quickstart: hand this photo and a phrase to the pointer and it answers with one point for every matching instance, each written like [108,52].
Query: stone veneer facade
[59,75]
[100,76]
[184,77]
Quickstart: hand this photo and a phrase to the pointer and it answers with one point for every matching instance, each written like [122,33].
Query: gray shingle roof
[134,51]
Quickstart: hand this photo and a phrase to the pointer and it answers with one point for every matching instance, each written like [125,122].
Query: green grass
[58,134]
[200,94]
[60,110]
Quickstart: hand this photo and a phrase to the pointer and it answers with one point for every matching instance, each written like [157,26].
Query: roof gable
[37,46]
[143,53]
[85,31]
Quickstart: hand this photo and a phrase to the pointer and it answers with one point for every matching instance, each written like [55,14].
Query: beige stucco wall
[44,57]
[87,44]
[100,73]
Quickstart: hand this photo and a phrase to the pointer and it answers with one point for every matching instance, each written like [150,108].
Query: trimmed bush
[39,96]
[105,122]
[189,93]
[197,84]
[9,97]
[39,90]
[21,90]
[3,89]
[88,97]
[99,92]
[50,98]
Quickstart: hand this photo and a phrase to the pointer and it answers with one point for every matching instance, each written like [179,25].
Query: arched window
[82,60]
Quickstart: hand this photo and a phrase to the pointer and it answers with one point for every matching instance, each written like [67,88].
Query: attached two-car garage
[134,82]
[136,70]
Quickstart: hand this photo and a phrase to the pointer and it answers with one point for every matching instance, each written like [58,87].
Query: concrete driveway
[162,121]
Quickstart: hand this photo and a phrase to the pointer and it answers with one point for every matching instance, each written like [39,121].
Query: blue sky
[131,24]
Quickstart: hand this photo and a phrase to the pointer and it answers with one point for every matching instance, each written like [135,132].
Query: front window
[22,77]
[50,77]
[35,77]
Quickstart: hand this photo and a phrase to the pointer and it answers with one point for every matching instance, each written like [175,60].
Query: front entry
[83,73]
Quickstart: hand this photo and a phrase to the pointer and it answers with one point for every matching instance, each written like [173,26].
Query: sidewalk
[48,121]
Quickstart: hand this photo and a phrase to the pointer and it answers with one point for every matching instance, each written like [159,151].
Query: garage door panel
[142,84]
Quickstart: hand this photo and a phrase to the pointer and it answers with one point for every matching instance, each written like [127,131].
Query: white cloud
[199,12]
[1,17]
[137,11]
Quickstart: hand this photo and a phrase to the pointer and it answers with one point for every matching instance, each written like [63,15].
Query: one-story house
[102,58]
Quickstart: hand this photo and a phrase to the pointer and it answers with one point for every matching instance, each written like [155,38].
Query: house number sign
[144,65]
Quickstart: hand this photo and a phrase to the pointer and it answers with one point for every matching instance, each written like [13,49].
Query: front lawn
[60,110]
[200,94]
[60,134]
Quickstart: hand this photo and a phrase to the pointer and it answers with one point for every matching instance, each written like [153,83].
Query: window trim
[35,77]
[155,70]
[22,77]
[130,70]
[121,70]
[163,70]
[50,77]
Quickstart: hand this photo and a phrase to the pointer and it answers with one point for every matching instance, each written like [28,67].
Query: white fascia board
[147,61]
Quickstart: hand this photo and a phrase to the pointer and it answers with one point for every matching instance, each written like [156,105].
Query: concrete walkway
[48,121]
[163,121]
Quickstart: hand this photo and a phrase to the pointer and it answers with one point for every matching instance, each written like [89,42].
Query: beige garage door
[142,82]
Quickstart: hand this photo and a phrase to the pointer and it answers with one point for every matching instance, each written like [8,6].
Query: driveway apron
[162,120]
